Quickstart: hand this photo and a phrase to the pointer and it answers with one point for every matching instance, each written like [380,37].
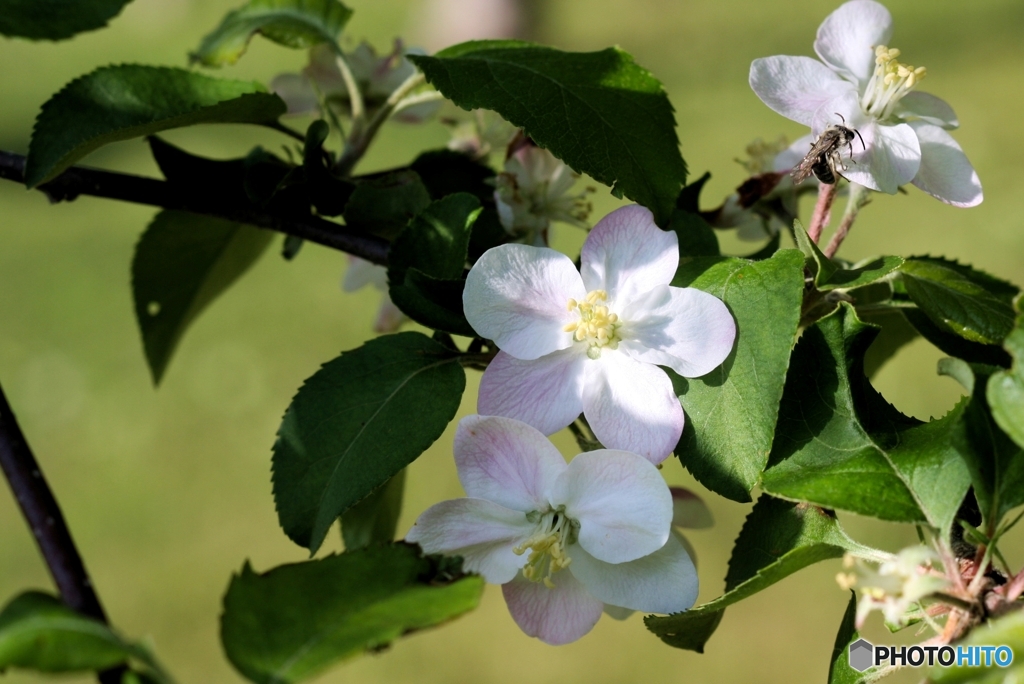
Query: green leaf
[828,275]
[896,332]
[122,102]
[599,112]
[731,411]
[696,237]
[385,204]
[356,423]
[820,266]
[295,621]
[427,261]
[953,344]
[375,518]
[777,539]
[292,23]
[997,287]
[56,19]
[839,670]
[1005,390]
[1006,631]
[445,172]
[841,445]
[182,263]
[39,632]
[956,303]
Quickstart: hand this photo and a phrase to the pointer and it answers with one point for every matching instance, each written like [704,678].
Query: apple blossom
[361,273]
[861,79]
[562,539]
[896,587]
[591,341]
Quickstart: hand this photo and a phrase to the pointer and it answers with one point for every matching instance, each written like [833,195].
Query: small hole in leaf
[153,308]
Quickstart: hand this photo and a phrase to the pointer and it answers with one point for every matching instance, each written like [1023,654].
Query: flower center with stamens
[547,546]
[597,327]
[890,82]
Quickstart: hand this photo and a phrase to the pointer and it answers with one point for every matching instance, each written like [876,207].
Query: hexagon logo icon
[861,654]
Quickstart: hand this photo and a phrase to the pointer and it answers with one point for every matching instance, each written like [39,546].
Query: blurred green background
[168,491]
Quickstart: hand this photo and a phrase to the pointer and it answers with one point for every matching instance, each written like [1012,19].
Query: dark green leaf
[295,621]
[841,445]
[292,23]
[182,263]
[777,539]
[384,204]
[427,261]
[828,275]
[599,112]
[375,518]
[214,181]
[123,102]
[820,266]
[731,411]
[957,304]
[446,172]
[997,287]
[689,197]
[953,344]
[1005,390]
[839,670]
[56,19]
[356,423]
[696,237]
[896,332]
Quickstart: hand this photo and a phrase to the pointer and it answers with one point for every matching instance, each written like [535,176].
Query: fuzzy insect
[825,159]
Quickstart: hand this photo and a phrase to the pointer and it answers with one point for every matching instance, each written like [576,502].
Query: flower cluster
[896,587]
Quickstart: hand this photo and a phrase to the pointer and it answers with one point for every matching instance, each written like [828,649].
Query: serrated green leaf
[181,264]
[1005,390]
[39,632]
[731,411]
[841,445]
[777,539]
[839,670]
[292,23]
[696,237]
[953,344]
[129,101]
[56,19]
[356,423]
[820,266]
[295,621]
[374,519]
[997,287]
[828,275]
[599,112]
[385,204]
[956,303]
[445,172]
[427,261]
[896,332]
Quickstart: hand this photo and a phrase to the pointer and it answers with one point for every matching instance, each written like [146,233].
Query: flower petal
[555,616]
[516,295]
[546,393]
[795,87]
[945,172]
[689,510]
[916,105]
[662,582]
[621,502]
[892,159]
[480,531]
[296,92]
[626,254]
[847,38]
[690,331]
[631,406]
[791,157]
[617,612]
[506,461]
[361,273]
[389,317]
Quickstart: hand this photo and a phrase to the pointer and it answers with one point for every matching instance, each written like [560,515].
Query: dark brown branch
[46,521]
[79,180]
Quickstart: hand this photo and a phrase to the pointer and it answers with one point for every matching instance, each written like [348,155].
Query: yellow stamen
[597,326]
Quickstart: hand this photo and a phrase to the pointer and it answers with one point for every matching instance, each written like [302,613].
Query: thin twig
[79,180]
[859,196]
[822,210]
[45,520]
[358,142]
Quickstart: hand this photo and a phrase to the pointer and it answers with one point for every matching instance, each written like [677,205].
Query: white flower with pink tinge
[591,341]
[562,539]
[860,79]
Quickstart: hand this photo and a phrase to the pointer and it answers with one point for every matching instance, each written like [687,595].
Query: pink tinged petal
[620,501]
[689,510]
[361,273]
[945,172]
[631,406]
[389,317]
[795,87]
[662,582]
[790,157]
[617,612]
[517,295]
[546,393]
[892,159]
[916,105]
[506,461]
[555,616]
[844,109]
[690,331]
[296,92]
[847,38]
[626,254]
[480,531]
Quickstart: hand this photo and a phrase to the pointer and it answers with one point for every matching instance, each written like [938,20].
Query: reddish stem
[822,210]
